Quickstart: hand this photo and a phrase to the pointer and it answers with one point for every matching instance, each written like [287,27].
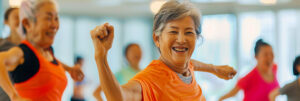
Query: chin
[180,61]
[48,44]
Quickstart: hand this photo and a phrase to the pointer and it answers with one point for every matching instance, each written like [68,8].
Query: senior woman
[36,73]
[171,77]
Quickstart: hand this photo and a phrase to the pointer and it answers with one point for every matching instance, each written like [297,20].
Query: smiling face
[265,56]
[177,41]
[134,54]
[43,30]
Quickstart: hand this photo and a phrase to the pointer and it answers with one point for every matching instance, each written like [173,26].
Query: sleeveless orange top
[160,83]
[48,84]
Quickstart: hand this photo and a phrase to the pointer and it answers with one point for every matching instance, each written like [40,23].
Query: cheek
[192,43]
[164,44]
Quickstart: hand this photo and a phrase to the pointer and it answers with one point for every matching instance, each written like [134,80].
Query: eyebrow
[51,14]
[188,28]
[174,27]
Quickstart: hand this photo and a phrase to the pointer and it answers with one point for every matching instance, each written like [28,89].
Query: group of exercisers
[29,70]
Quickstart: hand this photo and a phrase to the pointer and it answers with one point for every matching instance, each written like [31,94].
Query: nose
[181,38]
[54,24]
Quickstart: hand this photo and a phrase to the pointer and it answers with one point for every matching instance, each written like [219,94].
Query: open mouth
[180,49]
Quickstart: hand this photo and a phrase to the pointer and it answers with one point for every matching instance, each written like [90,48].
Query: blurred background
[230,29]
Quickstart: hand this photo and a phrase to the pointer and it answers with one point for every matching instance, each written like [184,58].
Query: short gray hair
[173,10]
[28,9]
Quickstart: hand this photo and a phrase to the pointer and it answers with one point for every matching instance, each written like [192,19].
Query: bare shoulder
[14,51]
[132,91]
[12,57]
[133,85]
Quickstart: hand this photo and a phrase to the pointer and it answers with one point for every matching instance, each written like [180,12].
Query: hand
[224,72]
[76,73]
[102,37]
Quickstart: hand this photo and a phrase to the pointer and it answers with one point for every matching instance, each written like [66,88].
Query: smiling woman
[36,73]
[171,77]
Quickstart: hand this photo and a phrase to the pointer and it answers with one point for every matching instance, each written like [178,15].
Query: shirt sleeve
[242,83]
[245,81]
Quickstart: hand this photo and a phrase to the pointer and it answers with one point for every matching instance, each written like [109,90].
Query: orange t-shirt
[48,84]
[160,83]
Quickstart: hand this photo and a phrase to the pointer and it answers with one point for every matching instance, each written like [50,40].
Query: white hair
[28,9]
[173,10]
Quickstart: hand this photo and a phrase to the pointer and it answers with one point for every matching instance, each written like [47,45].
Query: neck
[264,69]
[36,46]
[14,37]
[181,69]
[135,66]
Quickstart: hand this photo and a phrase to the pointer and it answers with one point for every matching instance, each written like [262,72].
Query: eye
[189,32]
[173,32]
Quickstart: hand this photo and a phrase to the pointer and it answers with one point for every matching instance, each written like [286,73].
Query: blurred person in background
[261,80]
[292,90]
[78,85]
[11,19]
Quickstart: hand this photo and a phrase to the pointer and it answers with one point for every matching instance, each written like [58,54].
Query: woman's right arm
[273,94]
[232,93]
[97,93]
[102,37]
[9,60]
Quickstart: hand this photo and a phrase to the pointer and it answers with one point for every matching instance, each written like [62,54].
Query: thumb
[110,29]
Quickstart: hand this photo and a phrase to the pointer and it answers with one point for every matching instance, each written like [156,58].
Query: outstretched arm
[232,93]
[97,93]
[273,94]
[75,71]
[225,72]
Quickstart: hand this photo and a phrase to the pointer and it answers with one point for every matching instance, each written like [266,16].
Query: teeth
[180,49]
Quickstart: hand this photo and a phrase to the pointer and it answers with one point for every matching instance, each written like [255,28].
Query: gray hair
[29,8]
[173,10]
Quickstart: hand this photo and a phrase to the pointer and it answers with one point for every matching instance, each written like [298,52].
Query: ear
[155,39]
[26,24]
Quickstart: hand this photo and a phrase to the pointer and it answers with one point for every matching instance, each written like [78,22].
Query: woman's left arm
[223,71]
[273,94]
[75,71]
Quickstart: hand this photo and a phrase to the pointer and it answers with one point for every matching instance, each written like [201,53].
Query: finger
[110,29]
[105,31]
[101,34]
[95,32]
[98,31]
[111,32]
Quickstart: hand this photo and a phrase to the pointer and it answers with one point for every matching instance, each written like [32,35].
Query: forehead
[47,8]
[266,48]
[133,47]
[14,12]
[181,22]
